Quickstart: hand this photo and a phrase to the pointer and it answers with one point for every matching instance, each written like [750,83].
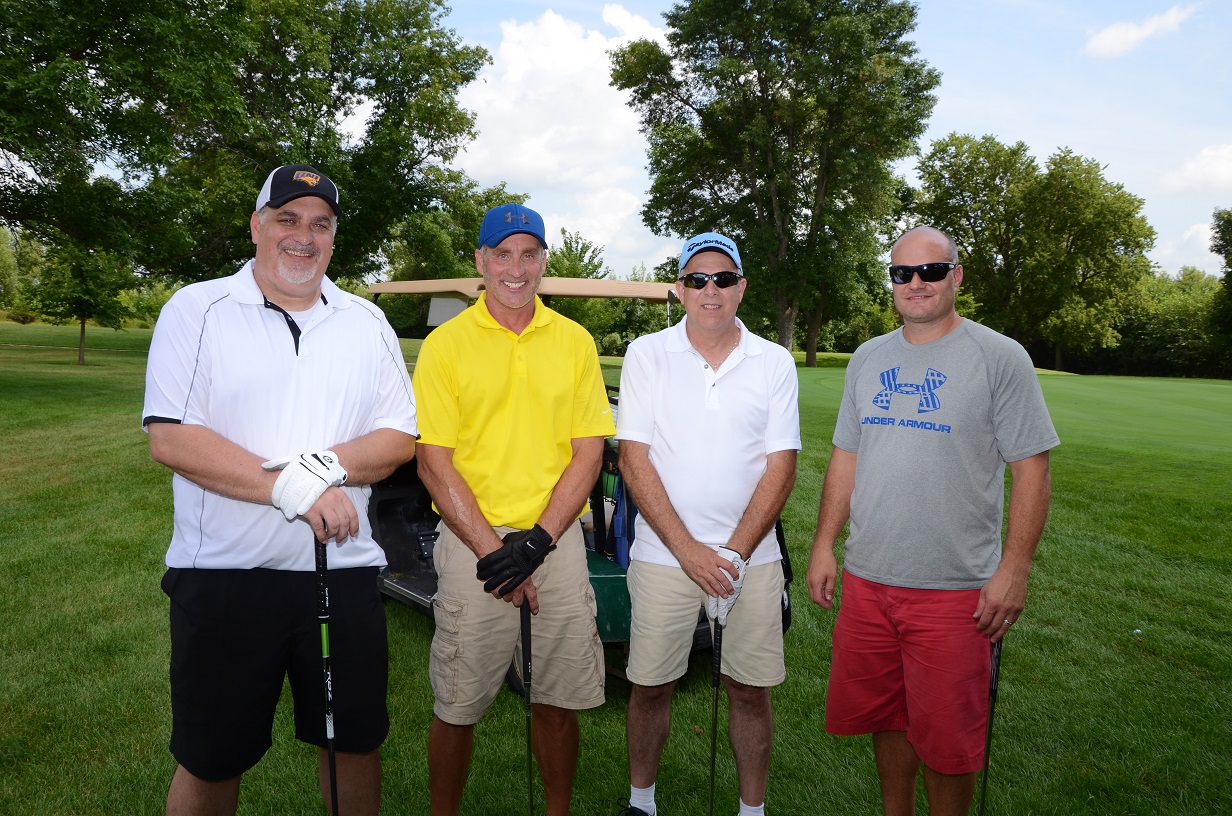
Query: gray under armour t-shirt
[932,426]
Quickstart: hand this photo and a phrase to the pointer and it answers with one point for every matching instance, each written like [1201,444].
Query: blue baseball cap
[509,219]
[710,242]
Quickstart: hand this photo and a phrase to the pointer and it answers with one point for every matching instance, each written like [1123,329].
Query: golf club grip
[525,612]
[322,582]
[717,654]
[995,678]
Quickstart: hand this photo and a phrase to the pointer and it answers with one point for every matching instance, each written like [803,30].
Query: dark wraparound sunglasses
[929,272]
[698,280]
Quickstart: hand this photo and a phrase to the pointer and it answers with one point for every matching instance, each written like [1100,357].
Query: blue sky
[1141,87]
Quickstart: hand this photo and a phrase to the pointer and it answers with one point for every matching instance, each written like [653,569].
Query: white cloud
[551,126]
[1193,248]
[1208,172]
[1123,37]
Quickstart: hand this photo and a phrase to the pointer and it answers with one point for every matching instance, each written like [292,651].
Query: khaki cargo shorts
[478,637]
[666,603]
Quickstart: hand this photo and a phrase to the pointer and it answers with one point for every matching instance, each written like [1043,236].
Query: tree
[775,122]
[1164,329]
[438,242]
[8,267]
[1049,255]
[190,105]
[29,257]
[84,285]
[1221,310]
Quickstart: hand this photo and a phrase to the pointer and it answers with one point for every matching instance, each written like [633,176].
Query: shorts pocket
[446,651]
[443,668]
[596,681]
[448,614]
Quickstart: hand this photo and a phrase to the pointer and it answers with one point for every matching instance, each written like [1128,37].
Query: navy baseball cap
[292,181]
[710,242]
[510,219]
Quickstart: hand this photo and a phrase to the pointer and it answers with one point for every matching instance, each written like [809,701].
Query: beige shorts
[665,609]
[478,637]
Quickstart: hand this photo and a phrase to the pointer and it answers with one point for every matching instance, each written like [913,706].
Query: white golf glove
[303,479]
[717,608]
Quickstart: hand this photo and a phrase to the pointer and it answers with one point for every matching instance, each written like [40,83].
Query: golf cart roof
[549,287]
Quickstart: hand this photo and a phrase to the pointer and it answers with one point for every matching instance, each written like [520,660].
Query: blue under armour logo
[933,379]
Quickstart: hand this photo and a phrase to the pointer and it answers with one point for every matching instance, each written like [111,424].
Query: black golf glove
[512,564]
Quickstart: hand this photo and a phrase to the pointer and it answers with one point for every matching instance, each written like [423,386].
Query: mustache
[295,246]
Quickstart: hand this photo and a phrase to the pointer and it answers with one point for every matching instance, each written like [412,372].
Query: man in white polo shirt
[276,398]
[709,429]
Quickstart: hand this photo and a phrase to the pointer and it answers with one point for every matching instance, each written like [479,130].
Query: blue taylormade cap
[710,242]
[510,219]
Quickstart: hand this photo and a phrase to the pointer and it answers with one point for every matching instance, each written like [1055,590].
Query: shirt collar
[678,340]
[541,318]
[245,290]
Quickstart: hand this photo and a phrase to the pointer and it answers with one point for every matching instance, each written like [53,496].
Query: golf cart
[400,509]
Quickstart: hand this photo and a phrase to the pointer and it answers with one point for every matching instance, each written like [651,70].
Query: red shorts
[911,660]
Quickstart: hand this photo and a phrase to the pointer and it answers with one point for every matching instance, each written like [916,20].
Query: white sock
[750,810]
[643,798]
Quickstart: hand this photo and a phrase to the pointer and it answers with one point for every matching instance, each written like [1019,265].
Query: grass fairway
[1116,688]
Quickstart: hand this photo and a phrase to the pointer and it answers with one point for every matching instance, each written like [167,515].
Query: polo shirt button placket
[712,390]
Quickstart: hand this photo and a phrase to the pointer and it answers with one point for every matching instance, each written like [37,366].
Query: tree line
[134,137]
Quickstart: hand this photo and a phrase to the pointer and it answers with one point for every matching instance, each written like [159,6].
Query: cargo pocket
[595,683]
[446,648]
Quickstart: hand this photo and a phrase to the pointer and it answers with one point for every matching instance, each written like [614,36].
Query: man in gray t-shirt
[931,415]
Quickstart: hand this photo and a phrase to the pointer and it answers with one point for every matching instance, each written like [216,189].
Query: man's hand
[303,479]
[718,607]
[521,553]
[1001,602]
[822,576]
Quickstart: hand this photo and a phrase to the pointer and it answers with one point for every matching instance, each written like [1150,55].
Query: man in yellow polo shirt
[512,416]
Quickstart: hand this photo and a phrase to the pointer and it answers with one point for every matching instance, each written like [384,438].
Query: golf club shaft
[323,616]
[993,680]
[530,775]
[717,670]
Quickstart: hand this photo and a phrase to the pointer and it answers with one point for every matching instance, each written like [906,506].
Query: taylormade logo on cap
[710,242]
[292,181]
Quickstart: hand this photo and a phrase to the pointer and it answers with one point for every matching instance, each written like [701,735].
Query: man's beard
[295,274]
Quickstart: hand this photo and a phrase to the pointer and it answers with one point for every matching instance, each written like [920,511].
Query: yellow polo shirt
[510,405]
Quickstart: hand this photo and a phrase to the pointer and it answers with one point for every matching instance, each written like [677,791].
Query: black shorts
[235,635]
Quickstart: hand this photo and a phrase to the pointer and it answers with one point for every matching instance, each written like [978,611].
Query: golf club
[530,775]
[992,703]
[323,616]
[717,660]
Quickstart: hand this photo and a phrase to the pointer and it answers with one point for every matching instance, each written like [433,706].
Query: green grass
[1092,717]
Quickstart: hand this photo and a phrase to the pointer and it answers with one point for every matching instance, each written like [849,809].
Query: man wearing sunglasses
[709,429]
[932,412]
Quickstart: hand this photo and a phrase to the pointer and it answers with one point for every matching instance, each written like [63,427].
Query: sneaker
[629,810]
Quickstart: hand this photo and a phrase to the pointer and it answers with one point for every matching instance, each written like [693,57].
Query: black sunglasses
[698,280]
[929,272]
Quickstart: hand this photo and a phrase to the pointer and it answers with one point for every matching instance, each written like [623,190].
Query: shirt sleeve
[1021,421]
[847,427]
[635,414]
[783,425]
[174,369]
[395,406]
[592,412]
[436,396]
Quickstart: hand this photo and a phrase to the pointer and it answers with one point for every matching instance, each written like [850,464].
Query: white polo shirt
[709,431]
[223,359]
